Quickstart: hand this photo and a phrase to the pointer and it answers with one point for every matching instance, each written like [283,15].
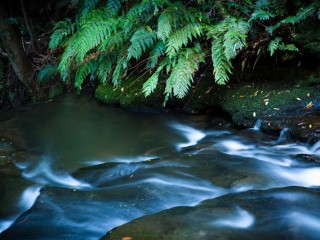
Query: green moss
[247,102]
[107,94]
[130,95]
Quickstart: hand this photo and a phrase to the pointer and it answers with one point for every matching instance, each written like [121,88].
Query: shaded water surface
[83,169]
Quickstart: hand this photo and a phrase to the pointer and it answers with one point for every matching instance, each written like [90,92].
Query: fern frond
[114,6]
[181,77]
[164,26]
[277,44]
[87,6]
[274,45]
[289,47]
[260,14]
[47,72]
[116,41]
[98,30]
[151,84]
[120,70]
[301,15]
[181,37]
[141,40]
[83,71]
[158,50]
[235,38]
[138,14]
[61,30]
[221,65]
[105,67]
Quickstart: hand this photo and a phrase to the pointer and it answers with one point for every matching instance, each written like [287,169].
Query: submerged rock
[286,213]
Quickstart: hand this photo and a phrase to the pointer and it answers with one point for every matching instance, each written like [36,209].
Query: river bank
[265,97]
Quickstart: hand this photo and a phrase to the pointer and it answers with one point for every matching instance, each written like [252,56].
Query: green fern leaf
[114,6]
[301,15]
[158,50]
[261,14]
[120,70]
[181,37]
[164,26]
[235,38]
[99,30]
[61,30]
[289,47]
[47,72]
[87,6]
[221,65]
[83,71]
[181,77]
[274,45]
[141,40]
[105,67]
[151,84]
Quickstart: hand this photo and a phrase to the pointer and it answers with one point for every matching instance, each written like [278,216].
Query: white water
[239,219]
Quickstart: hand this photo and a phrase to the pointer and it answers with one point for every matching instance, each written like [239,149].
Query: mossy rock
[202,97]
[291,100]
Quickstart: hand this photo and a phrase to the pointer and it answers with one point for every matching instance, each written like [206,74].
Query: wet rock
[12,185]
[306,160]
[271,214]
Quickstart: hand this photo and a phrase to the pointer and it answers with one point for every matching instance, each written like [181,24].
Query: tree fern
[141,40]
[181,37]
[47,72]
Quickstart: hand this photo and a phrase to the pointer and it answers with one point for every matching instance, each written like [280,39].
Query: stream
[81,169]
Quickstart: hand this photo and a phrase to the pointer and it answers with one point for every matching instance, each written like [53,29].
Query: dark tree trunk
[13,46]
[28,25]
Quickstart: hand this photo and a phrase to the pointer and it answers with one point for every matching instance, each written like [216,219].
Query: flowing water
[85,169]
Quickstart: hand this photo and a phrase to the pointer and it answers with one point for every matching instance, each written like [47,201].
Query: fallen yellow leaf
[309,105]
